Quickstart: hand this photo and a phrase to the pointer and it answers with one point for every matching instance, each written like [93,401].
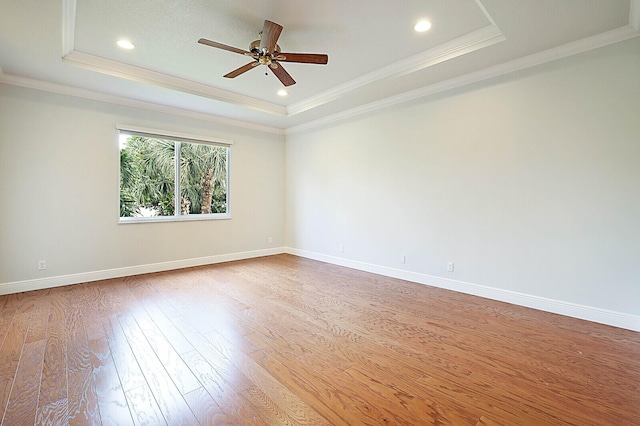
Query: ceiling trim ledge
[61,89]
[475,40]
[130,72]
[459,46]
[569,49]
[68,26]
[634,14]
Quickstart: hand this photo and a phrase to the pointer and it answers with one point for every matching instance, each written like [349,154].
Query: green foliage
[219,200]
[147,177]
[128,206]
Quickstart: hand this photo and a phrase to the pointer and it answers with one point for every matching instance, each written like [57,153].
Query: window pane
[203,179]
[147,176]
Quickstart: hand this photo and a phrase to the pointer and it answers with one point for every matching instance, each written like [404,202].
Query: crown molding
[467,43]
[486,13]
[478,39]
[68,26]
[569,49]
[46,86]
[462,45]
[130,72]
[475,40]
[634,14]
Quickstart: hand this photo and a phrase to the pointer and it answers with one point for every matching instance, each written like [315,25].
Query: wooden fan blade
[282,75]
[304,58]
[270,33]
[223,46]
[242,70]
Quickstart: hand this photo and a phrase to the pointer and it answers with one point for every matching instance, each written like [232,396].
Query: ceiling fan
[265,51]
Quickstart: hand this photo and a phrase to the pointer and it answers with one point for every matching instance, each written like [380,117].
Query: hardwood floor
[286,340]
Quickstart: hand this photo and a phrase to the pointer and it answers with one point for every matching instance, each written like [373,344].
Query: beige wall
[59,190]
[529,182]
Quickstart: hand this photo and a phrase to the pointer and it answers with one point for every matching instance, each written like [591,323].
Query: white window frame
[176,137]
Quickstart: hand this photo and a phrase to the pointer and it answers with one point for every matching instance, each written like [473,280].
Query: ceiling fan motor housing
[254,47]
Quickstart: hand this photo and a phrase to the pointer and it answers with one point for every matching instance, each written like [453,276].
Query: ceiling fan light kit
[265,51]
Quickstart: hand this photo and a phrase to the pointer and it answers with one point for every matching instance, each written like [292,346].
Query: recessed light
[422,26]
[282,92]
[125,44]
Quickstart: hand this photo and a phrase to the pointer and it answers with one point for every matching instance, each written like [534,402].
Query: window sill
[185,218]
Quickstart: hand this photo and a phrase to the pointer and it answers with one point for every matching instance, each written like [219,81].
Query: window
[165,176]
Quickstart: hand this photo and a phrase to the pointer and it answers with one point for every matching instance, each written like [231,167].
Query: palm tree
[201,168]
[128,204]
[147,175]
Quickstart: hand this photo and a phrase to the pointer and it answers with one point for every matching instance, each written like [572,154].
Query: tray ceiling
[375,56]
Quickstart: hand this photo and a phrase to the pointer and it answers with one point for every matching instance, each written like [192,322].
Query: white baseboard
[602,316]
[57,281]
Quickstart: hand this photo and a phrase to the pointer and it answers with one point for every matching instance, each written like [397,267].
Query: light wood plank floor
[285,340]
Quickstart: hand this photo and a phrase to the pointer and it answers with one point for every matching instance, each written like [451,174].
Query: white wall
[529,182]
[59,166]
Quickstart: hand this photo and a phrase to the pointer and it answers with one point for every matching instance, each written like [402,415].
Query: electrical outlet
[42,265]
[270,240]
[450,266]
[403,259]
